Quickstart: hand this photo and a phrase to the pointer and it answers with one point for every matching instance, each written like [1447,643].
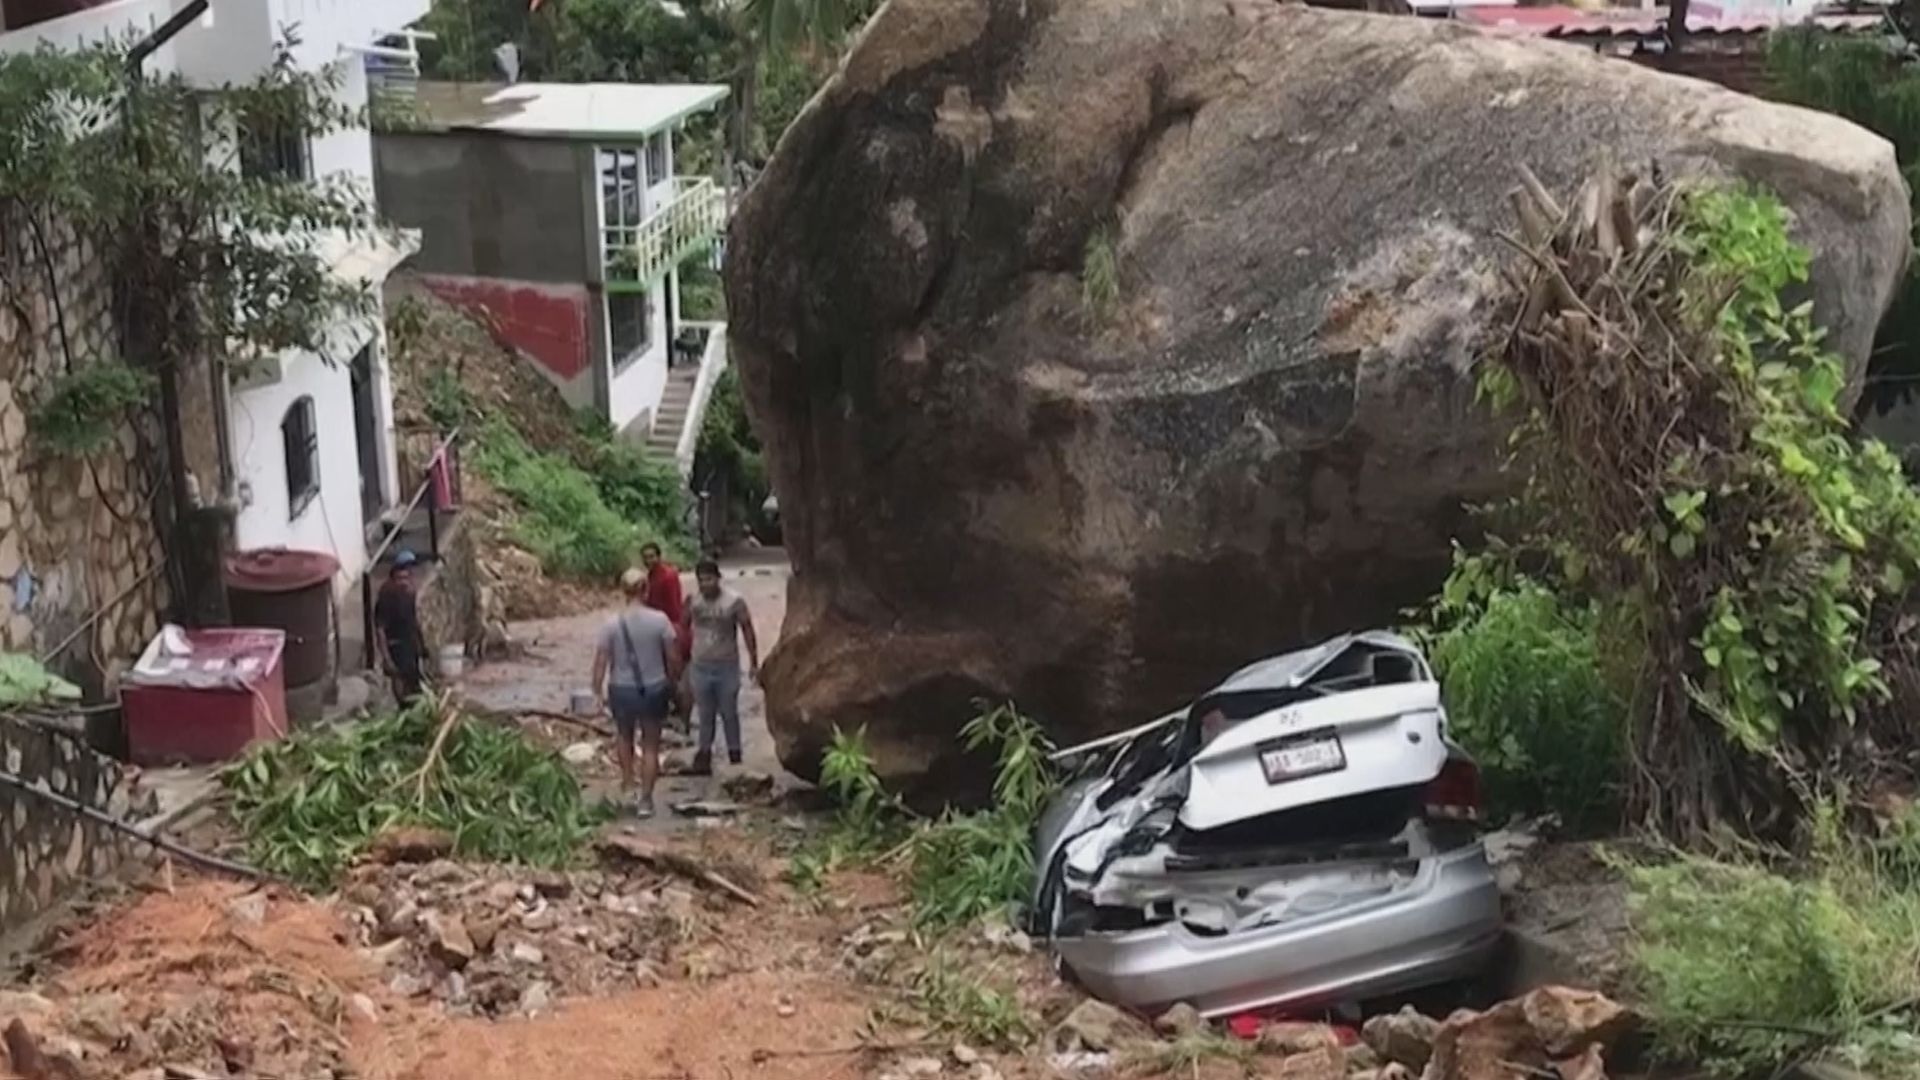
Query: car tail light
[1454,795]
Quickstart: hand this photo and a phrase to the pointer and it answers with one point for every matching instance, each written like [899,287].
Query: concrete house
[558,214]
[308,449]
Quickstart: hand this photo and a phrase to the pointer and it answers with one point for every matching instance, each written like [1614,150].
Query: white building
[561,213]
[311,439]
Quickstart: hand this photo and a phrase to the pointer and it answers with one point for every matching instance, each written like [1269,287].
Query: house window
[620,202]
[300,439]
[629,326]
[274,151]
[657,159]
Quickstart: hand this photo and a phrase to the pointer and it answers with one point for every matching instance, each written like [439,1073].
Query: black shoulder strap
[633,654]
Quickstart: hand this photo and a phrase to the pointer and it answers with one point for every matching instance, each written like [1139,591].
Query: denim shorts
[639,707]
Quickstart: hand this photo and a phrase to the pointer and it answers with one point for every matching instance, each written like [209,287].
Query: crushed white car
[1304,835]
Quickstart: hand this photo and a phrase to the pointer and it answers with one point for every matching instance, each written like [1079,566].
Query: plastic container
[205,695]
[292,591]
[452,661]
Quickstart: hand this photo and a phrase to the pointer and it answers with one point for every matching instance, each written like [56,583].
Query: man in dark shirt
[396,630]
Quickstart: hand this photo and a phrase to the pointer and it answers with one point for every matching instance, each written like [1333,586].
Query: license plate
[1299,758]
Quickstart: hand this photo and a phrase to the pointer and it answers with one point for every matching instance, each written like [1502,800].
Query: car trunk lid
[1344,744]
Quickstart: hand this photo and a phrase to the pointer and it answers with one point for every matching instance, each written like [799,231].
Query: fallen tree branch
[152,839]
[762,1055]
[565,718]
[447,722]
[686,866]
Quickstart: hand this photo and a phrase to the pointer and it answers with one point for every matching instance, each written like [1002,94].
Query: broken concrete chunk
[15,1004]
[550,884]
[964,1054]
[749,786]
[408,985]
[249,909]
[448,940]
[396,917]
[536,998]
[1548,1025]
[1286,1037]
[1404,1038]
[1324,1063]
[525,953]
[1094,1026]
[1566,1021]
[410,844]
[1181,1019]
[482,931]
[581,753]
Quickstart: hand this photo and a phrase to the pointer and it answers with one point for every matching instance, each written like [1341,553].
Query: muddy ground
[713,966]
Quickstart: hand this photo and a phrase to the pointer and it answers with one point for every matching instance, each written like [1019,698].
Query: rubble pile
[210,980]
[499,940]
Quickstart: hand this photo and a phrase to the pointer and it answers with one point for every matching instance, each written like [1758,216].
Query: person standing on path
[720,619]
[397,637]
[665,596]
[634,669]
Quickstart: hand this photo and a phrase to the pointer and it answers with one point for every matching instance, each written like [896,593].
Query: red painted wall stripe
[547,322]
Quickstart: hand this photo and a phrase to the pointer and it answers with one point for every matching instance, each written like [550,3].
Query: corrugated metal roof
[1557,21]
[562,110]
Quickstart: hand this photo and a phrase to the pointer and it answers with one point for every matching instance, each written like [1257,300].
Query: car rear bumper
[1443,926]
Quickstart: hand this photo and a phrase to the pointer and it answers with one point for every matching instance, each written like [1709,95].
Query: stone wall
[44,849]
[455,598]
[75,536]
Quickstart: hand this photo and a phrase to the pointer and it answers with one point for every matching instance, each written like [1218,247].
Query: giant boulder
[1002,478]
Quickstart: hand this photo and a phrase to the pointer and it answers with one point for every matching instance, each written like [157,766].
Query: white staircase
[675,404]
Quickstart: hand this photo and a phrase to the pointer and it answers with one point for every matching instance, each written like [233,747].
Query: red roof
[1564,21]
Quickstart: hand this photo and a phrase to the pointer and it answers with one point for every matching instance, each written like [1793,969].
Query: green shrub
[82,410]
[729,451]
[639,486]
[1748,969]
[563,518]
[703,296]
[969,865]
[1688,468]
[1526,696]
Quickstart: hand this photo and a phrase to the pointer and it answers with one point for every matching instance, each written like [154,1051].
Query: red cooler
[205,695]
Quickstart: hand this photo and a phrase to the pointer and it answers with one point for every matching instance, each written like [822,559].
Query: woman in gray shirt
[635,667]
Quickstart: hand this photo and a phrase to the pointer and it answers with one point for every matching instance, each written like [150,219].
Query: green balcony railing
[635,258]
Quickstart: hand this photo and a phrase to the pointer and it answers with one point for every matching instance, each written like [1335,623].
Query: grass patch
[563,518]
[961,1004]
[1748,969]
[1187,1053]
[312,804]
[1100,273]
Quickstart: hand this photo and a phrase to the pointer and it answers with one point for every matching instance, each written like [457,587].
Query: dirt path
[559,661]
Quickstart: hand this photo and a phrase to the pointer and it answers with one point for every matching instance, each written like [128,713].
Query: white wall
[636,391]
[332,521]
[349,150]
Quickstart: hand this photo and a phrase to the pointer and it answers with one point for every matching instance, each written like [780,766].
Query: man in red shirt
[663,586]
[664,595]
